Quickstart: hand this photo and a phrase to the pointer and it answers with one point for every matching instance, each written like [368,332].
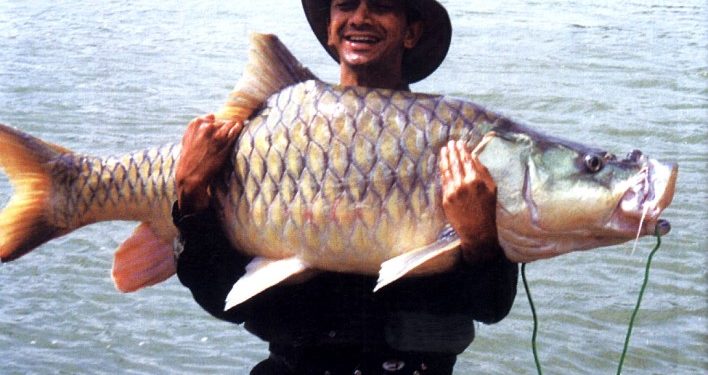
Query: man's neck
[371,78]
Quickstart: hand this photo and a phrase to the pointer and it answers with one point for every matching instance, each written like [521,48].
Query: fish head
[556,196]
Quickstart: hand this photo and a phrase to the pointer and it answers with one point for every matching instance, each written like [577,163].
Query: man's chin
[357,59]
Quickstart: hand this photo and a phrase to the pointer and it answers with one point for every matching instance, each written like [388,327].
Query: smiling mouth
[362,39]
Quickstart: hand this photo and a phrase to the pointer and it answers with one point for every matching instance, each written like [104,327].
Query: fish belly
[344,178]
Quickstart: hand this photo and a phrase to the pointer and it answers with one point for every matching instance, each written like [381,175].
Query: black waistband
[352,360]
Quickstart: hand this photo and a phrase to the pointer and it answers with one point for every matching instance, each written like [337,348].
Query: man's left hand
[469,201]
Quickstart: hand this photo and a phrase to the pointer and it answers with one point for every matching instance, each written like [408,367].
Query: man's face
[371,32]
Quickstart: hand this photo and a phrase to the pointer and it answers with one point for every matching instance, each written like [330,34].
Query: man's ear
[413,33]
[330,42]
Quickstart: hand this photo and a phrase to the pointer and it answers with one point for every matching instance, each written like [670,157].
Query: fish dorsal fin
[262,274]
[414,262]
[270,68]
[144,258]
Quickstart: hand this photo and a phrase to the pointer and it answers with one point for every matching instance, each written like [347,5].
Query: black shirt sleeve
[485,291]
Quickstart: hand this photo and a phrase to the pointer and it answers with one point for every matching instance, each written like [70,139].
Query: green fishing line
[639,300]
[631,320]
[535,319]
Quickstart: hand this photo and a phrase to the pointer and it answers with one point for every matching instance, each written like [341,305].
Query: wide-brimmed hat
[419,61]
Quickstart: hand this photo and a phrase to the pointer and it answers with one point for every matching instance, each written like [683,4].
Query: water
[114,77]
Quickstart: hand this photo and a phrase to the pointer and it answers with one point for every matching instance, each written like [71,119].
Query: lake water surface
[119,76]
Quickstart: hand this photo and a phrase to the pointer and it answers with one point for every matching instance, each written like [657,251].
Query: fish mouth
[650,191]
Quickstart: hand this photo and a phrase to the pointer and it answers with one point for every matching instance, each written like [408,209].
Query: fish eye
[594,163]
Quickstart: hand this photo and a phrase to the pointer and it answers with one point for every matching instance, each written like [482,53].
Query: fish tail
[25,221]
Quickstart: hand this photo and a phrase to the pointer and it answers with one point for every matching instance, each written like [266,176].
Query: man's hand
[469,201]
[206,145]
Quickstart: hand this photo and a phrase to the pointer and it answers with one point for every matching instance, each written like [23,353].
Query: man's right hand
[469,202]
[206,145]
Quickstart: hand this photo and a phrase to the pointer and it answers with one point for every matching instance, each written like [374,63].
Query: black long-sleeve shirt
[433,314]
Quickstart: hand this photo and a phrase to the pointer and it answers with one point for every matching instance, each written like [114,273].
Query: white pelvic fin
[271,67]
[262,274]
[413,262]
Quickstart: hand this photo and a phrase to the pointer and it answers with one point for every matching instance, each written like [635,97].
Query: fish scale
[129,186]
[338,172]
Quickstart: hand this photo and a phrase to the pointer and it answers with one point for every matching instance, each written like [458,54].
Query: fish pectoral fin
[261,274]
[142,260]
[416,261]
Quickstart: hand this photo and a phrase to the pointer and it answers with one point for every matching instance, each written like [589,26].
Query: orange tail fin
[25,222]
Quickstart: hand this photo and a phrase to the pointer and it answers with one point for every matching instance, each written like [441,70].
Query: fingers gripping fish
[340,179]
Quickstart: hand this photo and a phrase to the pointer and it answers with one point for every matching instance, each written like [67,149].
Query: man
[333,323]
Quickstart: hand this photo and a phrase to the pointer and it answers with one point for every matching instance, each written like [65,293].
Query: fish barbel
[340,179]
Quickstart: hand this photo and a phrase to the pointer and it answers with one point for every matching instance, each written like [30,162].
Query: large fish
[339,179]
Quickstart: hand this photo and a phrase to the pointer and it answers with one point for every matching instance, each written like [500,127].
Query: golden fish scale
[133,187]
[345,178]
